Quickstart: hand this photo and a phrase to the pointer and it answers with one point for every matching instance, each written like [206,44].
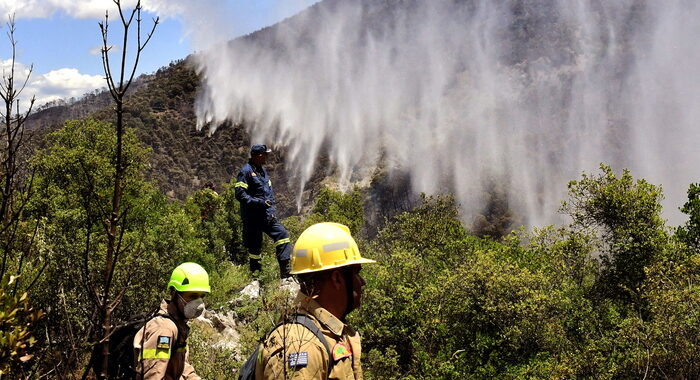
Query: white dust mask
[194,308]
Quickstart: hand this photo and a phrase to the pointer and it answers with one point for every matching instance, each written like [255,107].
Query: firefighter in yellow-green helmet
[327,263]
[160,346]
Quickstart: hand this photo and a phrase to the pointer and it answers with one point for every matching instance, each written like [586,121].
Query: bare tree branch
[14,193]
[116,221]
[140,47]
[104,29]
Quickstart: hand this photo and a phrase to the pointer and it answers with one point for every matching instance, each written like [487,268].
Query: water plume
[465,94]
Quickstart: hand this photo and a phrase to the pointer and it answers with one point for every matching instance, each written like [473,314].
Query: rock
[222,322]
[252,290]
[290,285]
[225,326]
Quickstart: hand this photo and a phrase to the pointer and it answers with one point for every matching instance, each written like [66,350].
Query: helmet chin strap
[347,272]
[180,306]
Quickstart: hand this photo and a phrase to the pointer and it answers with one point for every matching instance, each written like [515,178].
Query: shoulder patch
[341,351]
[298,359]
[163,342]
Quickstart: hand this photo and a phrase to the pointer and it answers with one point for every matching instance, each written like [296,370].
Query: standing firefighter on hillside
[315,342]
[254,191]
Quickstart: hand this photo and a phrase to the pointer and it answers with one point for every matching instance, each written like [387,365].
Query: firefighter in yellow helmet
[160,346]
[327,264]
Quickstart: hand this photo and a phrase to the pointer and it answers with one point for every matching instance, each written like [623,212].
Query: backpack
[247,372]
[121,347]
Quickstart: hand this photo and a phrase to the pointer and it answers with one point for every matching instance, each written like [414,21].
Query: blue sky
[61,38]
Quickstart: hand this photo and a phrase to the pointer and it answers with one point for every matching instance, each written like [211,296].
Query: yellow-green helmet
[189,277]
[325,246]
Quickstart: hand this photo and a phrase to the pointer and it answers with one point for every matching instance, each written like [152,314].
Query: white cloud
[56,84]
[74,8]
[63,83]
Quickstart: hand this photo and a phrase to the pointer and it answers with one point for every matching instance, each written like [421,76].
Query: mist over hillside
[516,95]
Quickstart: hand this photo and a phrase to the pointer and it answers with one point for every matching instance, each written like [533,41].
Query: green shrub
[205,208]
[334,206]
[689,233]
[17,319]
[234,232]
[73,183]
[627,213]
[669,341]
[210,359]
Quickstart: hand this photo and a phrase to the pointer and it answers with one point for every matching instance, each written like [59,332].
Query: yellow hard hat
[325,246]
[189,277]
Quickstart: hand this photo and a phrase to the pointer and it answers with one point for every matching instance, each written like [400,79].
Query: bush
[205,209]
[689,233]
[442,304]
[333,206]
[670,339]
[74,182]
[627,213]
[17,319]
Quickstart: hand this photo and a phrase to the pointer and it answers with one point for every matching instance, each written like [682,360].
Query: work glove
[261,203]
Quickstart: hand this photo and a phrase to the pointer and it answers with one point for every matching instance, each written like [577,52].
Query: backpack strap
[310,325]
[177,344]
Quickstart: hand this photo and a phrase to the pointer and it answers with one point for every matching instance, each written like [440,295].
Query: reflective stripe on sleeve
[254,257]
[282,241]
[155,353]
[241,184]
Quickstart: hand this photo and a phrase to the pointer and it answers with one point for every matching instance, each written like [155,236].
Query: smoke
[525,94]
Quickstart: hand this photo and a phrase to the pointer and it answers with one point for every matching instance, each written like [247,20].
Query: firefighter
[254,192]
[160,346]
[327,263]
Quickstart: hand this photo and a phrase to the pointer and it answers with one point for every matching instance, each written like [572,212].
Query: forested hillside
[160,110]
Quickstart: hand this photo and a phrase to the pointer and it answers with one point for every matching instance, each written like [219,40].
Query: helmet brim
[353,262]
[183,289]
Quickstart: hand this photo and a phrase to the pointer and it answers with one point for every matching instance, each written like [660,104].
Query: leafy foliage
[627,213]
[17,320]
[670,340]
[73,185]
[205,208]
[444,304]
[690,232]
[613,295]
[334,206]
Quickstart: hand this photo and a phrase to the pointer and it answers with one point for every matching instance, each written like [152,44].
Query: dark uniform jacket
[293,352]
[253,188]
[160,349]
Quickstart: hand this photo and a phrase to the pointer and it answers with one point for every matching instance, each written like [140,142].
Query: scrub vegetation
[613,294]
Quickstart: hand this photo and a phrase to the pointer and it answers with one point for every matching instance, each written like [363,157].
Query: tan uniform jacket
[293,352]
[161,352]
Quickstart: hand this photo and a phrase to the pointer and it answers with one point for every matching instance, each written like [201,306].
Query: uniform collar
[163,307]
[324,316]
[255,167]
[164,310]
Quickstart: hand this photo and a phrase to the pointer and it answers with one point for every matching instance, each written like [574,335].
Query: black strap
[307,322]
[177,344]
